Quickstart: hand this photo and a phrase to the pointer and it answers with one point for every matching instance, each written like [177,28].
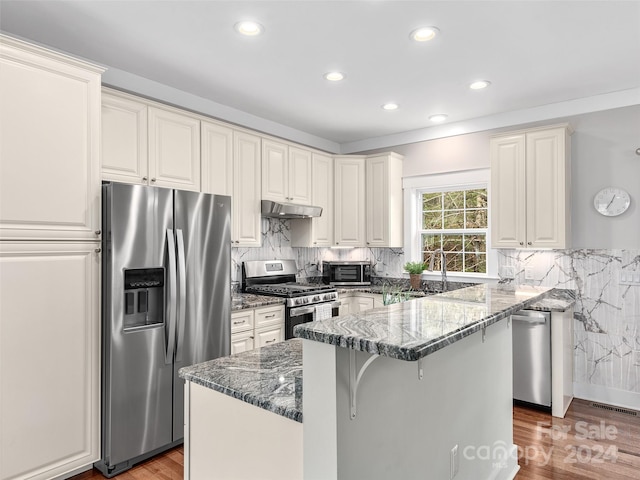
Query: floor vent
[633,413]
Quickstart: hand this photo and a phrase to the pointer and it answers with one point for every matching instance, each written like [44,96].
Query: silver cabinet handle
[521,243]
[270,341]
[144,179]
[270,316]
[98,232]
[529,243]
[153,179]
[239,323]
[98,250]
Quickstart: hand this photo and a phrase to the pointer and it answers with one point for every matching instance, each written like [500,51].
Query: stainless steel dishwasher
[532,357]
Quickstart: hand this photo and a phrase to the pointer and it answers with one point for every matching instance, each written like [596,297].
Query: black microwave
[346,273]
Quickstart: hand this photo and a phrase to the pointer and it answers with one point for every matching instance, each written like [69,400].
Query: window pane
[454,219]
[476,219]
[454,262]
[475,243]
[431,242]
[477,198]
[432,201]
[475,263]
[432,220]
[452,243]
[454,200]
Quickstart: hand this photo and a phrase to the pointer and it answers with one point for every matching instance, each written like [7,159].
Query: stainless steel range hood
[289,210]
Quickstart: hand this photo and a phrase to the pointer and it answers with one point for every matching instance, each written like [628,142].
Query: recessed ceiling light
[479,84]
[334,76]
[439,117]
[424,34]
[249,28]
[390,106]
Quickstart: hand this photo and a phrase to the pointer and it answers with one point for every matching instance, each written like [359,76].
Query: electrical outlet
[629,278]
[455,463]
[528,273]
[507,272]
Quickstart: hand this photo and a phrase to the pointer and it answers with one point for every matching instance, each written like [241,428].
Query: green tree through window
[456,222]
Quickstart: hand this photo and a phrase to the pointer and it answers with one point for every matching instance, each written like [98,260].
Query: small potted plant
[415,270]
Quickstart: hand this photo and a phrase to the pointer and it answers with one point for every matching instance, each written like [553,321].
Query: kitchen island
[411,390]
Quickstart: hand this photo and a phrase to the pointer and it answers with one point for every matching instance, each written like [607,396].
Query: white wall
[603,154]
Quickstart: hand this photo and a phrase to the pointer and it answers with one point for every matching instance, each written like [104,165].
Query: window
[450,211]
[455,222]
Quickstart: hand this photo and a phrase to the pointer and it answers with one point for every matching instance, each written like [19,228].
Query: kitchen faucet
[443,263]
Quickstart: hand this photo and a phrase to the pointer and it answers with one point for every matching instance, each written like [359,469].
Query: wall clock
[611,201]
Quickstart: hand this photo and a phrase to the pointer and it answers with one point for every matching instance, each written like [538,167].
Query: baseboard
[607,395]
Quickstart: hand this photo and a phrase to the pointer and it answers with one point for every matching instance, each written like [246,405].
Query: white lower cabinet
[256,327]
[49,358]
[358,302]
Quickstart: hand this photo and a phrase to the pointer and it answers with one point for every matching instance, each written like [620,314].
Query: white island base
[407,427]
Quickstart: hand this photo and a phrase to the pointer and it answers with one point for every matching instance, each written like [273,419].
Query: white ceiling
[535,53]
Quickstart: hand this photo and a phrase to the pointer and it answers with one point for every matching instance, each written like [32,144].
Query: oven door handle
[299,311]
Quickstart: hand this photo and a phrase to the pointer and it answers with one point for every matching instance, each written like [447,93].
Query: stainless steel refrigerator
[166,304]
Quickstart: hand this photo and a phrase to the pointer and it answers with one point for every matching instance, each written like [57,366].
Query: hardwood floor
[588,444]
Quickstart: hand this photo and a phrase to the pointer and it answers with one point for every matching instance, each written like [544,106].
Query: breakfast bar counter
[395,392]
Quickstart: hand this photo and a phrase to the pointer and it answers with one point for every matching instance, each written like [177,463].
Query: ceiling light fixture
[334,76]
[424,34]
[249,28]
[390,106]
[438,118]
[479,84]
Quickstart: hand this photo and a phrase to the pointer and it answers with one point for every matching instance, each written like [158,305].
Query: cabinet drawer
[269,336]
[269,316]
[241,320]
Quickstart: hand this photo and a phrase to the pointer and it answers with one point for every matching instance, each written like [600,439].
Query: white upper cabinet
[50,145]
[174,149]
[384,211]
[149,144]
[317,231]
[530,194]
[246,208]
[217,158]
[349,208]
[286,173]
[124,139]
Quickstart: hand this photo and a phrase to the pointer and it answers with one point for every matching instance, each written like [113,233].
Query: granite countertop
[240,301]
[411,330]
[266,377]
[557,300]
[378,289]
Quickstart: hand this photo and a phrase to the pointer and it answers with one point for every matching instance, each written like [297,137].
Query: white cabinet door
[350,201]
[272,315]
[508,191]
[275,171]
[217,159]
[299,176]
[246,207]
[345,306]
[124,139]
[317,231]
[50,145]
[384,210]
[174,149]
[547,194]
[530,189]
[269,335]
[364,303]
[49,358]
[242,342]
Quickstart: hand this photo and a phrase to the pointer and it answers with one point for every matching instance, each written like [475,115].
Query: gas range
[305,302]
[278,278]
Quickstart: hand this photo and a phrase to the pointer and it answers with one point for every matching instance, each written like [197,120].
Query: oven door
[297,315]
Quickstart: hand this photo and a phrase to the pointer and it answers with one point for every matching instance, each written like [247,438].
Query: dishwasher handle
[531,319]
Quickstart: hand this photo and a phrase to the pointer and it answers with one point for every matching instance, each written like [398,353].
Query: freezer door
[137,367]
[203,240]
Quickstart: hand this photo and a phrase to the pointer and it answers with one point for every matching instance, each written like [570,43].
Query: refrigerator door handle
[171,304]
[182,293]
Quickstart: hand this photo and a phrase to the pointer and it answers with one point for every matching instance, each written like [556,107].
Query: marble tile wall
[606,314]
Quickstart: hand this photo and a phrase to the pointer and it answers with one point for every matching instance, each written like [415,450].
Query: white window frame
[443,182]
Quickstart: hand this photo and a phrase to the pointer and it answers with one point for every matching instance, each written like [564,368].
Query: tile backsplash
[606,314]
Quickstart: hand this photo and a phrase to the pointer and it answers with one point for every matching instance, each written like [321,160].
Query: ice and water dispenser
[143,297]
